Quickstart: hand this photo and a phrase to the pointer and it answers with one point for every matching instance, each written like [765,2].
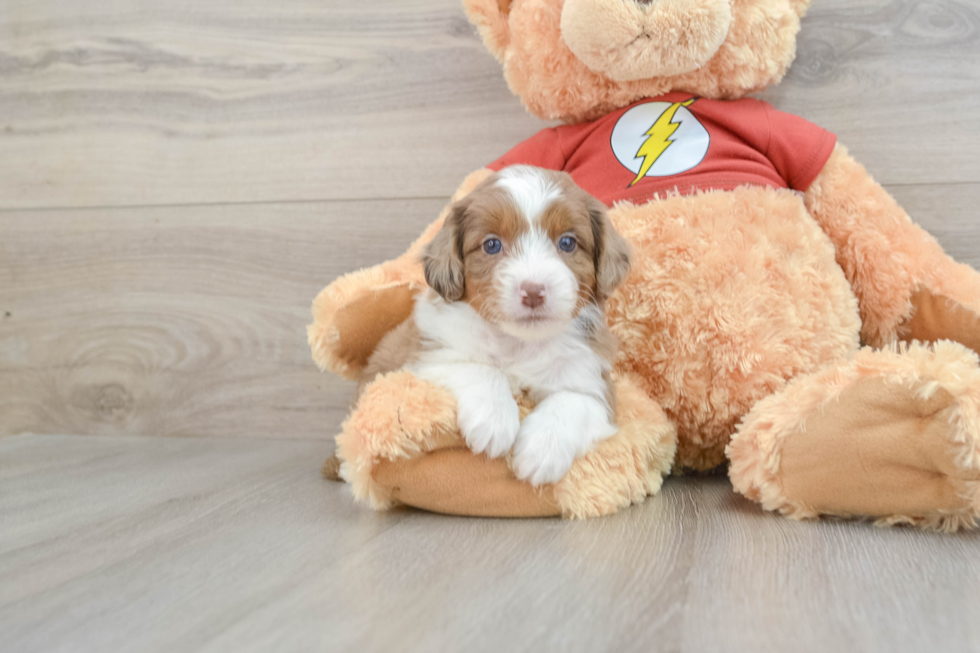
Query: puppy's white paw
[542,454]
[489,423]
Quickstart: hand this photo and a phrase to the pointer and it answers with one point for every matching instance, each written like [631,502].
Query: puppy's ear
[442,259]
[611,253]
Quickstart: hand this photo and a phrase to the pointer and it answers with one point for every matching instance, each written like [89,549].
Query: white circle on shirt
[678,144]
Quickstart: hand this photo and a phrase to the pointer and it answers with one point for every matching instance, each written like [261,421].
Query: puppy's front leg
[486,412]
[563,426]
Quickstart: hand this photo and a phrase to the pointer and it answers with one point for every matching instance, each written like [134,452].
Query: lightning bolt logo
[658,138]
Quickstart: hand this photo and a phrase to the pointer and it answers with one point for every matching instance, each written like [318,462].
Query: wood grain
[180,320]
[950,212]
[897,80]
[137,102]
[217,545]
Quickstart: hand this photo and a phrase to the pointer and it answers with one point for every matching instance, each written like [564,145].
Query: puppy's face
[527,249]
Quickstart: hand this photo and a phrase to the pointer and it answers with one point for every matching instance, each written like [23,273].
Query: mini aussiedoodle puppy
[518,275]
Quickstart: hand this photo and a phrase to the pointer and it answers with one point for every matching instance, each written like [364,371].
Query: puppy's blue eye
[492,246]
[567,244]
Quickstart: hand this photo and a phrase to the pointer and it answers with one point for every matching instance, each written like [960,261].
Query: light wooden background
[179,178]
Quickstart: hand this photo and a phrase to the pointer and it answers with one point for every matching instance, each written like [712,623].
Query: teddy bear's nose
[642,39]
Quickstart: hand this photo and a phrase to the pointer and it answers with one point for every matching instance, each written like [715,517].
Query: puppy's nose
[532,294]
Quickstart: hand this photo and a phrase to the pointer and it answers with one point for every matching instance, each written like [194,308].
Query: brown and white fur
[519,315]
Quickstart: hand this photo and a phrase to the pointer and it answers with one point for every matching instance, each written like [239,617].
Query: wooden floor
[177,181]
[115,543]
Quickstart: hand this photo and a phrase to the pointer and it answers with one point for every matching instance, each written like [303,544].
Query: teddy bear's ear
[490,18]
[800,6]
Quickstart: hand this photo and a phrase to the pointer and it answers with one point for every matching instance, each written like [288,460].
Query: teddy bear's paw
[489,423]
[937,316]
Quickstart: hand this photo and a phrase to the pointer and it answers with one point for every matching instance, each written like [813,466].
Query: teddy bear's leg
[401,446]
[892,435]
[907,287]
[353,314]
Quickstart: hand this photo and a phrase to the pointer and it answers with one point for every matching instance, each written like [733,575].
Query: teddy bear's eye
[567,243]
[492,245]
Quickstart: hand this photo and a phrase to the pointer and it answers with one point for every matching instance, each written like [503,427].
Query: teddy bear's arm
[401,445]
[906,285]
[353,314]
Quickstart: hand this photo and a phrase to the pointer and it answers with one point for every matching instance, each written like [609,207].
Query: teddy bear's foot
[940,316]
[893,435]
[456,481]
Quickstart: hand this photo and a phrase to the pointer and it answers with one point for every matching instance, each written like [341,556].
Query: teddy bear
[784,318]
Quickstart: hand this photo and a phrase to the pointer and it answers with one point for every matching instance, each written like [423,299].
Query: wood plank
[215,545]
[897,80]
[180,321]
[190,320]
[140,102]
[136,102]
[948,212]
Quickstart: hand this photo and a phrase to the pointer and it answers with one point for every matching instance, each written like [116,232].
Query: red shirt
[683,144]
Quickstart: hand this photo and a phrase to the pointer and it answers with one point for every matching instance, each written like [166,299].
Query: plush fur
[893,265]
[402,419]
[740,324]
[943,381]
[613,37]
[732,293]
[555,84]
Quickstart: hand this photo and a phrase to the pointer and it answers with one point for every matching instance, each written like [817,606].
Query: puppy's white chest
[526,370]
[542,368]
[456,334]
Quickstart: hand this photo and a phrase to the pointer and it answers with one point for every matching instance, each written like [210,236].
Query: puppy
[518,276]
